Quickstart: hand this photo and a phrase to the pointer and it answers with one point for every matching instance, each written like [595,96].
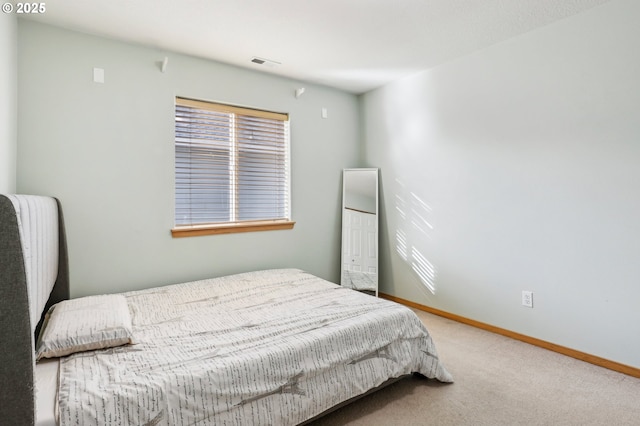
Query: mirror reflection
[360,230]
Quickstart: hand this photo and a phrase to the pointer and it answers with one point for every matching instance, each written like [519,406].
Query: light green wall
[8,101]
[518,168]
[106,150]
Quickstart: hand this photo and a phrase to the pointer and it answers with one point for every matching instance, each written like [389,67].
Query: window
[231,169]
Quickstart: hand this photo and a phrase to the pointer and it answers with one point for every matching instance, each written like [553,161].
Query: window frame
[209,228]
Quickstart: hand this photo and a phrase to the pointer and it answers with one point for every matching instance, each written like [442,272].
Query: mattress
[46,391]
[263,348]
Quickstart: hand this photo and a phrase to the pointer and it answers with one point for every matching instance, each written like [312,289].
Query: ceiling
[352,45]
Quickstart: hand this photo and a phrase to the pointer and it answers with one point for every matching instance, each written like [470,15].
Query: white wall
[106,150]
[518,168]
[8,101]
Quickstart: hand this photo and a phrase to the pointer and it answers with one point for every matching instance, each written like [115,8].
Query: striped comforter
[270,347]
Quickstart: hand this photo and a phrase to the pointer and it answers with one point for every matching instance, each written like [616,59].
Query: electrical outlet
[527,299]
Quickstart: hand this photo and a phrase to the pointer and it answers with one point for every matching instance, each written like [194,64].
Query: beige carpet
[498,381]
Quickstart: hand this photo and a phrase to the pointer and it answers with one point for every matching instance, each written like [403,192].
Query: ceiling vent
[266,62]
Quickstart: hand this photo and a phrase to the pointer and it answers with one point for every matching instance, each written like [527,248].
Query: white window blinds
[231,163]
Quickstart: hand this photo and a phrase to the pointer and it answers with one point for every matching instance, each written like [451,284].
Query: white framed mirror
[359,258]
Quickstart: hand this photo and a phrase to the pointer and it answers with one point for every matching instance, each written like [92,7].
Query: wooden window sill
[230,228]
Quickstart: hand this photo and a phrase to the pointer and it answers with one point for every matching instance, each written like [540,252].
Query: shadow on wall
[414,227]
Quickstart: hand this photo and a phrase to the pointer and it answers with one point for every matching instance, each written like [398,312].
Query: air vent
[266,62]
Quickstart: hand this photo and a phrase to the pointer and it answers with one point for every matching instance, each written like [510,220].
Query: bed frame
[20,276]
[32,239]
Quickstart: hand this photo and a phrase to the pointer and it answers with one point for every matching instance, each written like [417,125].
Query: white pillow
[86,323]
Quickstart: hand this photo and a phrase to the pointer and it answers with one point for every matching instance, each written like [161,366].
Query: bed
[273,347]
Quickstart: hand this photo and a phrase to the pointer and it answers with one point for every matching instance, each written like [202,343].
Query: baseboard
[592,359]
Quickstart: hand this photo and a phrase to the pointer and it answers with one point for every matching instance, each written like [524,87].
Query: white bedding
[271,347]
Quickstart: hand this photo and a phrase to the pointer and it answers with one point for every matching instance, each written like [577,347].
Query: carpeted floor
[498,381]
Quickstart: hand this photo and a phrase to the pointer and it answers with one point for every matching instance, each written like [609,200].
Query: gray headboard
[34,274]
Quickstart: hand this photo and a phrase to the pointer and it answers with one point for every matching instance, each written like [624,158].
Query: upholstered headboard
[34,274]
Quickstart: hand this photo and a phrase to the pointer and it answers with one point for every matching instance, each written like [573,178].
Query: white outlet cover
[527,299]
[98,75]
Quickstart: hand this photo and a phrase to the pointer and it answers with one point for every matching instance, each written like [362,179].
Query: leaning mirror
[360,230]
